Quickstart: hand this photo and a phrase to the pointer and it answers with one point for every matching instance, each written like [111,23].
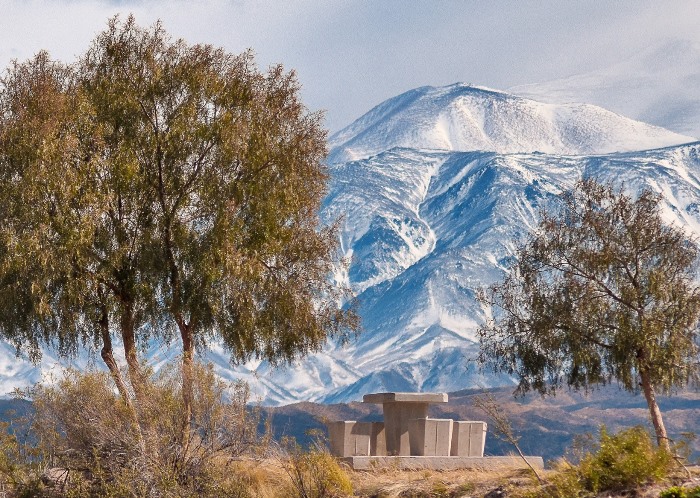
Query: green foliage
[155,182]
[440,490]
[153,189]
[602,289]
[679,492]
[673,492]
[621,462]
[624,460]
[19,460]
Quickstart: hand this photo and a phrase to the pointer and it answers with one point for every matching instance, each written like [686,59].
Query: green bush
[679,492]
[673,492]
[625,460]
[616,462]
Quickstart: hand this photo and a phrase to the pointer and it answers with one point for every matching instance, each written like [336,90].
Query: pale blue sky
[352,54]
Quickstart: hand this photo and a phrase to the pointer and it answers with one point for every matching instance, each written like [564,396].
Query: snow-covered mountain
[660,85]
[465,118]
[434,187]
[428,220]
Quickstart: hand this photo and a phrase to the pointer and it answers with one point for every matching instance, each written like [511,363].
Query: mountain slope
[419,308]
[418,314]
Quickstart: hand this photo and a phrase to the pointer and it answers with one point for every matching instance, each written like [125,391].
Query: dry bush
[84,427]
[314,473]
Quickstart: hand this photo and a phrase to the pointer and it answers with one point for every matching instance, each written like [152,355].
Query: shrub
[314,473]
[625,460]
[679,492]
[673,492]
[83,426]
[616,462]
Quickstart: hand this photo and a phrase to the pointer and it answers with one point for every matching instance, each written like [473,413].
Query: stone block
[350,438]
[430,436]
[377,442]
[468,438]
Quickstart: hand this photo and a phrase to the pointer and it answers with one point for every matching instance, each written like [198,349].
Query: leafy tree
[156,188]
[602,289]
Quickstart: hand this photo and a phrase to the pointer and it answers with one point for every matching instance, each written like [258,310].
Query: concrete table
[398,409]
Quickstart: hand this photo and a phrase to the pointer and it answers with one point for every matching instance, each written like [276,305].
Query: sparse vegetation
[611,465]
[680,492]
[501,426]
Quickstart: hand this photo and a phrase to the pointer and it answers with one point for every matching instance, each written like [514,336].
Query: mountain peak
[463,117]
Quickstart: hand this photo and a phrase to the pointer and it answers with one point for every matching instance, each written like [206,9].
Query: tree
[154,189]
[602,289]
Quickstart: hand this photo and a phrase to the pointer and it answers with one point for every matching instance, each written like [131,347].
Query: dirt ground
[470,484]
[273,482]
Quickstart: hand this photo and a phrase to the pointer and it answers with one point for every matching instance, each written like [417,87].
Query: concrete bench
[351,438]
[430,436]
[468,439]
[407,430]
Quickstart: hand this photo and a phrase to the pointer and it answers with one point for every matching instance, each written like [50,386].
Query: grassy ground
[470,483]
[272,481]
[430,483]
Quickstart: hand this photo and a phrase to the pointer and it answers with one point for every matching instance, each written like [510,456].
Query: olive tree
[603,289]
[156,188]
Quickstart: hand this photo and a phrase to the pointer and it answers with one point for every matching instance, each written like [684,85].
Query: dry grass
[264,478]
[393,483]
[270,480]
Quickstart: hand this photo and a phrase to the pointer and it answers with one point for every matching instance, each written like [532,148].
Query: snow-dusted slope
[432,206]
[420,312]
[420,322]
[660,85]
[465,118]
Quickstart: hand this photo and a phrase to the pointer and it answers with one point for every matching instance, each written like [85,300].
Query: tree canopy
[155,188]
[603,289]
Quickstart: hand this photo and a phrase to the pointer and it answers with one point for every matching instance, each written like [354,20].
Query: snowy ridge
[419,325]
[434,187]
[660,85]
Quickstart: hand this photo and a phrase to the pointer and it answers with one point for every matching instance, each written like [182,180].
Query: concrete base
[441,463]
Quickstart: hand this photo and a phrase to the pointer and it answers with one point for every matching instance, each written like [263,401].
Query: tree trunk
[654,411]
[187,381]
[107,354]
[136,377]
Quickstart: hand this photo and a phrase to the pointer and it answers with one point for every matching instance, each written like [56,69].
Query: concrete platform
[441,463]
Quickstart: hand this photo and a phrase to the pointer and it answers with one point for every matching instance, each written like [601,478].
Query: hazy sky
[352,54]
